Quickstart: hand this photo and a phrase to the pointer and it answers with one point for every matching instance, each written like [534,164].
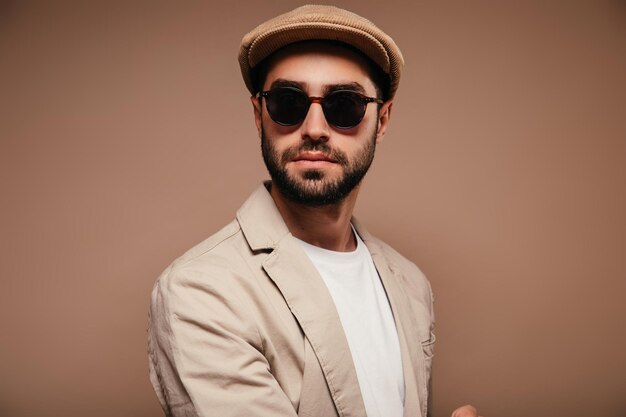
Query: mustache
[322,147]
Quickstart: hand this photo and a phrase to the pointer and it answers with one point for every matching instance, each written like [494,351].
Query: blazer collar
[260,220]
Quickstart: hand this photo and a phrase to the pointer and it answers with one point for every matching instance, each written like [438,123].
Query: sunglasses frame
[365,100]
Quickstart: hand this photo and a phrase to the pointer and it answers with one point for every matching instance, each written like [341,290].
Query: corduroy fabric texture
[318,22]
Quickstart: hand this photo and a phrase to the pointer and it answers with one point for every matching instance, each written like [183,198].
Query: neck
[326,226]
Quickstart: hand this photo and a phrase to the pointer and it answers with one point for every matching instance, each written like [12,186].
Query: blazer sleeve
[205,352]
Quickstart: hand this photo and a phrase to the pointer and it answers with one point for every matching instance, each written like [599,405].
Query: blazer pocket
[428,348]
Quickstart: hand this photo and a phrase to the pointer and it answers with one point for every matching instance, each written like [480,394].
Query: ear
[383,120]
[256,104]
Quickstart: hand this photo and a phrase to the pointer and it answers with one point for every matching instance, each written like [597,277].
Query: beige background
[126,136]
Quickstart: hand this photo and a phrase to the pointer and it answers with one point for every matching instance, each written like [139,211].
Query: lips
[313,157]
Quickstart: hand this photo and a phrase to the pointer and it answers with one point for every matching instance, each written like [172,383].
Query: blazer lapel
[312,305]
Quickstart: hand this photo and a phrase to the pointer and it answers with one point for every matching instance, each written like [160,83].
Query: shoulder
[206,286]
[209,267]
[209,249]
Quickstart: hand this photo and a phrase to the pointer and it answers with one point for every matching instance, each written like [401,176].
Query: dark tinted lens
[344,109]
[287,106]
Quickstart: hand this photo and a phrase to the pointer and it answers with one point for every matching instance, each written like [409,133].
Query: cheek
[279,143]
[276,131]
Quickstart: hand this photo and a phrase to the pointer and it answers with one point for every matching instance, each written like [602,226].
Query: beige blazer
[243,325]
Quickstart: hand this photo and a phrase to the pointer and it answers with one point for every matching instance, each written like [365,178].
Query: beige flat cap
[317,22]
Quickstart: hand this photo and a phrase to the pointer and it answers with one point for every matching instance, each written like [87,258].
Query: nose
[315,127]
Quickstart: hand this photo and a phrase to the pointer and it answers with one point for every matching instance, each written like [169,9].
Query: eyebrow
[281,82]
[347,86]
[354,86]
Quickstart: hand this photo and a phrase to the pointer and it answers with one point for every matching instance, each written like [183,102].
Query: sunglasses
[343,109]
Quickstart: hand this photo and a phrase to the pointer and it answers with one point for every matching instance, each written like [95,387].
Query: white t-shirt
[366,317]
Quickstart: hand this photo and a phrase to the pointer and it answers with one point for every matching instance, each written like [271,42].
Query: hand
[465,411]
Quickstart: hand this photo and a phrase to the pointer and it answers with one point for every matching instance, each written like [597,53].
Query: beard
[312,188]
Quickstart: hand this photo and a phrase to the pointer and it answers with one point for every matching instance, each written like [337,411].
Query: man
[294,309]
